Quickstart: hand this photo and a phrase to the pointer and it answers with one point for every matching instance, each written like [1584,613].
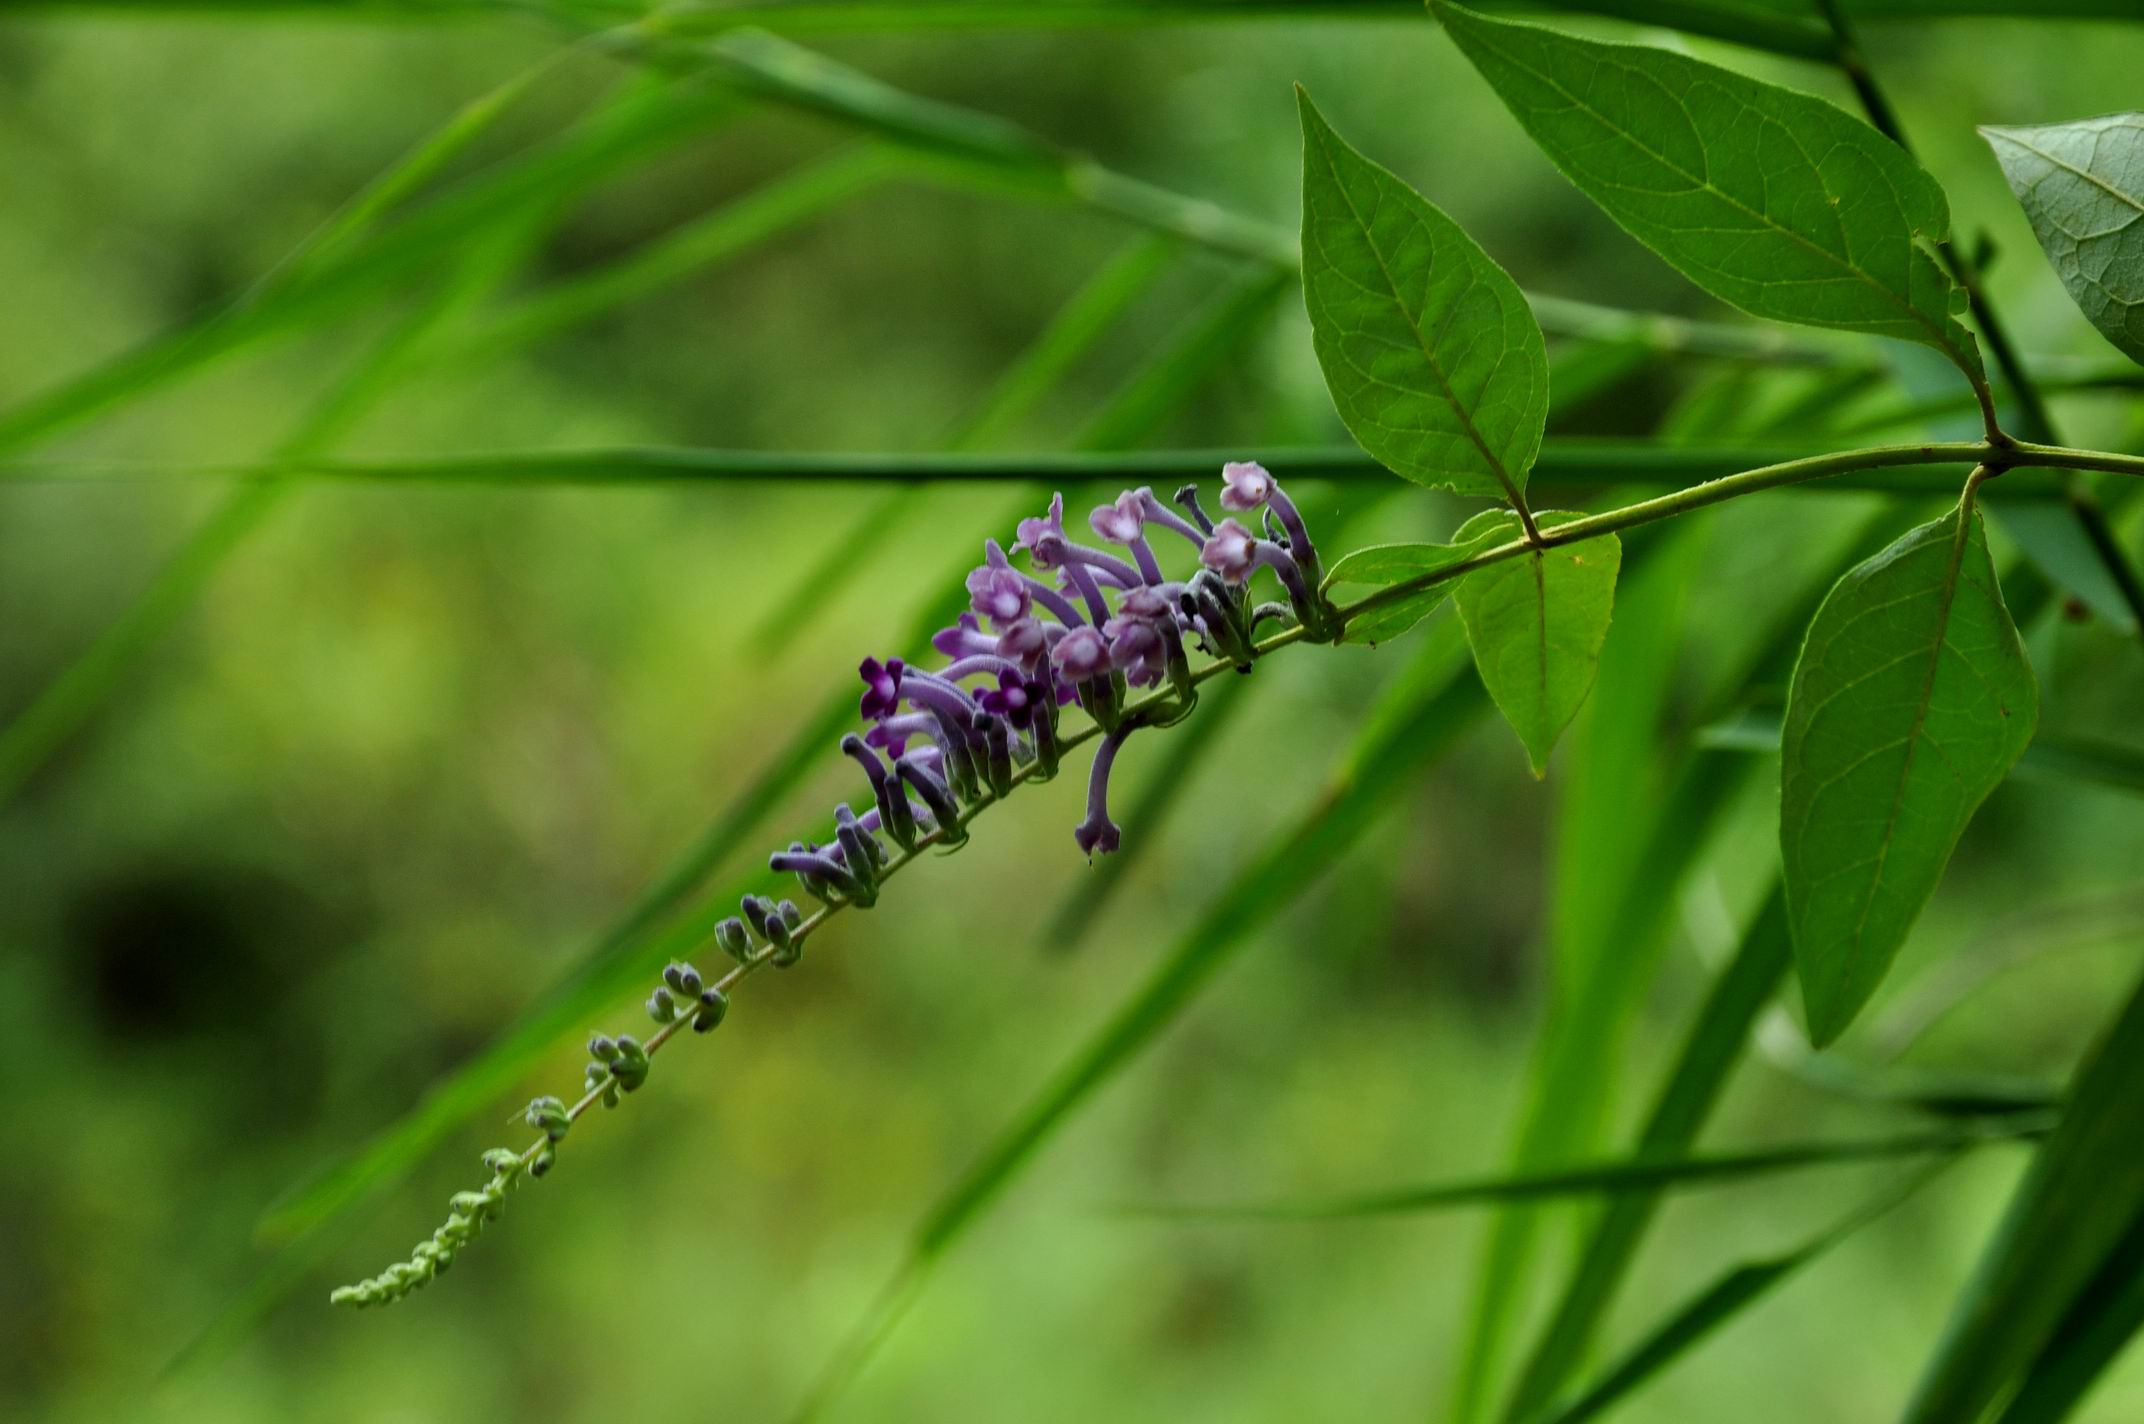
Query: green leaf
[1642,1176]
[1775,201]
[2089,1338]
[1387,564]
[1728,1296]
[2073,1211]
[2082,184]
[1429,349]
[1536,624]
[1912,700]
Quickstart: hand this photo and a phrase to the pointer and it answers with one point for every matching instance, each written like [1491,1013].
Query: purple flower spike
[1080,654]
[1247,485]
[1099,834]
[1032,532]
[965,638]
[882,687]
[1231,552]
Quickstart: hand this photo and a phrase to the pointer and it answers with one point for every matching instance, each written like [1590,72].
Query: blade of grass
[493,233]
[1709,1054]
[720,233]
[645,121]
[1083,320]
[1722,1301]
[1621,1180]
[1417,719]
[2089,1339]
[2080,1199]
[1606,923]
[1572,465]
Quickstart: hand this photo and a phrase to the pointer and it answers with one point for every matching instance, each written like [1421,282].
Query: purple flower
[1032,532]
[999,593]
[882,687]
[1098,832]
[1231,552]
[965,638]
[1123,521]
[1012,699]
[1024,642]
[1137,644]
[1246,485]
[1080,654]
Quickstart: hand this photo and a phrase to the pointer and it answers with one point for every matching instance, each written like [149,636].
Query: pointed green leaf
[1912,701]
[1432,356]
[1387,564]
[2082,184]
[1773,200]
[1536,624]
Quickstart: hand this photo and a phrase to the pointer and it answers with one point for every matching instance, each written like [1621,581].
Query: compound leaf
[1912,701]
[2082,184]
[1433,358]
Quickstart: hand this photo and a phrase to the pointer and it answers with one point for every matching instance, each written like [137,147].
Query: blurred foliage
[413,747]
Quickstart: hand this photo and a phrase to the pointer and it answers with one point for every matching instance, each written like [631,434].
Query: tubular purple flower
[1080,655]
[1025,642]
[1299,545]
[1124,522]
[894,816]
[882,686]
[859,855]
[1230,552]
[1000,594]
[1158,513]
[822,874]
[945,811]
[997,754]
[1245,485]
[1029,533]
[978,663]
[1079,575]
[1098,833]
[1010,699]
[965,637]
[1188,497]
[1136,644]
[892,734]
[1044,727]
[1037,590]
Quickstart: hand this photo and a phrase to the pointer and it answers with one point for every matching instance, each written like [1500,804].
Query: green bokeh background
[416,745]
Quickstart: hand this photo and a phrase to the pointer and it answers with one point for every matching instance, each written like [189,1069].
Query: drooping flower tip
[1032,532]
[1097,837]
[1246,485]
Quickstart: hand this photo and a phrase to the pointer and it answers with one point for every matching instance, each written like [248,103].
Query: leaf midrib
[1958,544]
[2011,136]
[1451,397]
[1941,336]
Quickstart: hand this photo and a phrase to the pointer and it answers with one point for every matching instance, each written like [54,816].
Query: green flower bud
[714,1007]
[661,1006]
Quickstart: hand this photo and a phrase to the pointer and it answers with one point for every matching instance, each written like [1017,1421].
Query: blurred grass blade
[1161,384]
[1418,718]
[1642,1176]
[643,122]
[1618,860]
[39,729]
[1068,337]
[2083,1195]
[1720,1302]
[2089,1339]
[1709,1054]
[2053,757]
[1580,464]
[717,235]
